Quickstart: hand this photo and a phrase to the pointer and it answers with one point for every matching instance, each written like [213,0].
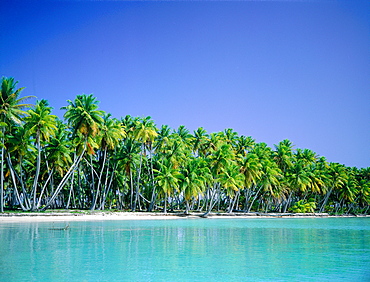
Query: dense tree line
[93,161]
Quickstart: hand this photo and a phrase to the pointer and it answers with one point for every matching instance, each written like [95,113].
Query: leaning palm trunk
[212,202]
[16,190]
[233,201]
[24,204]
[64,180]
[288,202]
[35,181]
[325,200]
[187,207]
[70,192]
[99,182]
[151,205]
[43,189]
[137,184]
[255,197]
[107,186]
[2,175]
[247,194]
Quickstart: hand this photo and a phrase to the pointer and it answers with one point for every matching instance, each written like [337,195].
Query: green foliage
[303,206]
[129,164]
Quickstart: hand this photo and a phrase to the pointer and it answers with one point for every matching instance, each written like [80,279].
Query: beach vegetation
[91,161]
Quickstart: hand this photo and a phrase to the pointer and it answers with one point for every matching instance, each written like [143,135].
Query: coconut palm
[111,133]
[162,139]
[244,145]
[128,159]
[11,112]
[184,135]
[283,155]
[250,167]
[199,141]
[40,124]
[168,179]
[269,180]
[85,120]
[231,180]
[306,156]
[336,178]
[145,132]
[20,150]
[195,175]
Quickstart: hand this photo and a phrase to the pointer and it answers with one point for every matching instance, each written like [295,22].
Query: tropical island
[91,161]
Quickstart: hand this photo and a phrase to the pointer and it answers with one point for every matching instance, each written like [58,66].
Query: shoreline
[107,215]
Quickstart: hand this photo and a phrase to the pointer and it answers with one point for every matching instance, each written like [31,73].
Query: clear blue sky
[267,69]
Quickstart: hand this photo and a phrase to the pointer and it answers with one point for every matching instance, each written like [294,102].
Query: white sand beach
[99,216]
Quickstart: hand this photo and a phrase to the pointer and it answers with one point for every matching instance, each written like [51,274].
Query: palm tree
[283,155]
[111,133]
[20,150]
[337,177]
[199,141]
[58,154]
[85,120]
[145,132]
[184,135]
[195,175]
[11,112]
[250,167]
[128,159]
[168,179]
[230,136]
[84,117]
[41,124]
[298,179]
[348,192]
[269,179]
[162,139]
[244,145]
[306,156]
[231,180]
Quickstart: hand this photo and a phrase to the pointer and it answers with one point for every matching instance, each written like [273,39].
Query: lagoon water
[232,249]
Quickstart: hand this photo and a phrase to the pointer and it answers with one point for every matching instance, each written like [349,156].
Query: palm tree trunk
[288,201]
[247,194]
[70,192]
[2,174]
[131,190]
[233,202]
[15,187]
[99,181]
[24,204]
[64,180]
[325,200]
[107,186]
[137,184]
[211,202]
[187,207]
[165,204]
[43,189]
[151,205]
[255,197]
[35,181]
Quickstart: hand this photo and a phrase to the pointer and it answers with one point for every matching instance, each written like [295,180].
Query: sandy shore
[99,216]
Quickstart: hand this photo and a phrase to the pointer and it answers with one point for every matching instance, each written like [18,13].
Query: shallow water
[321,249]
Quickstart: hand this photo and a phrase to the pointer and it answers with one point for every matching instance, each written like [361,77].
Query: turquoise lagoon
[230,249]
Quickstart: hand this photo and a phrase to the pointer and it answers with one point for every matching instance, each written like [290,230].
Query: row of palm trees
[93,161]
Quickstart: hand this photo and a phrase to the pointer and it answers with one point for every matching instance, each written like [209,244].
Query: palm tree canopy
[83,115]
[11,106]
[40,122]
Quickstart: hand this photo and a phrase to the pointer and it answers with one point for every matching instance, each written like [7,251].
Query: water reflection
[186,250]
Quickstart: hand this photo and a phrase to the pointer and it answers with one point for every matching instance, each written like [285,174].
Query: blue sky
[268,69]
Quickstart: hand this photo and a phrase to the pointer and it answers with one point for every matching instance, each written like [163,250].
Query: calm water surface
[321,249]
